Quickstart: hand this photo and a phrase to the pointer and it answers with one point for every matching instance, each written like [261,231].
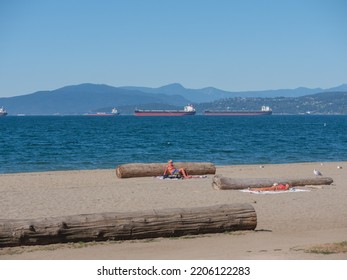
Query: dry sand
[287,223]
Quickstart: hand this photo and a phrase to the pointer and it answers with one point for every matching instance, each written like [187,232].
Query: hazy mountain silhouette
[210,94]
[85,98]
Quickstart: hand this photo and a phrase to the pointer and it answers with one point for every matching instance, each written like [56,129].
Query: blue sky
[233,45]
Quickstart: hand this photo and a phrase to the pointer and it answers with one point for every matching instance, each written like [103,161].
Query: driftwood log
[224,183]
[131,170]
[132,225]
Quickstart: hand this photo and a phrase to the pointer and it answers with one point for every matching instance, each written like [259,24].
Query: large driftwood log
[132,225]
[223,183]
[156,169]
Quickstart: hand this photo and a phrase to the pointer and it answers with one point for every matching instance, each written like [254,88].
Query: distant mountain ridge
[210,94]
[87,98]
[80,99]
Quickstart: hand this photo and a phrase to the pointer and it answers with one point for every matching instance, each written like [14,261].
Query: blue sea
[46,143]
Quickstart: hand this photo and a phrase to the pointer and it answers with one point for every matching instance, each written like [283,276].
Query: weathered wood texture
[156,169]
[132,225]
[224,183]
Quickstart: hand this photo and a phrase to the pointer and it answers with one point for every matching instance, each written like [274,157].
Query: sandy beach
[287,223]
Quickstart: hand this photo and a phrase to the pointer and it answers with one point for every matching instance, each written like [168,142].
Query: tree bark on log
[131,170]
[131,225]
[224,183]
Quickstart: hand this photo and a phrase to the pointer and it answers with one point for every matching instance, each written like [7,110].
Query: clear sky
[233,45]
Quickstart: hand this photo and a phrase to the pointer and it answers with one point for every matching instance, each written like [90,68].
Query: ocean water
[45,143]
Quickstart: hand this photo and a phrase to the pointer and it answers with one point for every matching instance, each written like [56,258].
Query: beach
[287,223]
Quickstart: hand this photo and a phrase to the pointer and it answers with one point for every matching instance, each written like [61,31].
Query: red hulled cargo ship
[187,111]
[114,112]
[265,110]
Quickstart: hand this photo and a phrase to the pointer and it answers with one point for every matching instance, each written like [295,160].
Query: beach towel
[274,192]
[170,177]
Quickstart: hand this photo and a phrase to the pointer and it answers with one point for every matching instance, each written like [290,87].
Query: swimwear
[281,187]
[172,169]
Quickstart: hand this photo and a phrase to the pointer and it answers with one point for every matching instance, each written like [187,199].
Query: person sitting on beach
[274,187]
[171,170]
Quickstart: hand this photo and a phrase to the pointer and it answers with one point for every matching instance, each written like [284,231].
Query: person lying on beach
[171,170]
[274,187]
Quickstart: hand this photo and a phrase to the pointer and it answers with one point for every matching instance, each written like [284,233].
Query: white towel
[274,192]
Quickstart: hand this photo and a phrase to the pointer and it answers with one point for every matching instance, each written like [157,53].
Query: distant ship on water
[3,112]
[187,111]
[114,112]
[265,110]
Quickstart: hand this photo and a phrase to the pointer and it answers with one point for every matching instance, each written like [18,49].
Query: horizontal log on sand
[131,225]
[131,170]
[223,183]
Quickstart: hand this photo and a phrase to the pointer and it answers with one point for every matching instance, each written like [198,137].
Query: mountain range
[210,94]
[89,98]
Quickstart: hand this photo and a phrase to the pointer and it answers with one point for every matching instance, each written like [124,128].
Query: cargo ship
[187,111]
[3,112]
[114,112]
[265,110]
